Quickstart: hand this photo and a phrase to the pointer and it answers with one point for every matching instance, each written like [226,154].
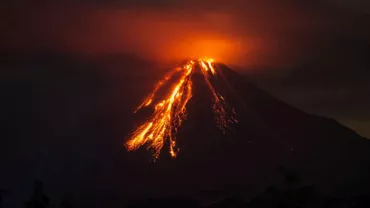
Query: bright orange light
[209,64]
[170,112]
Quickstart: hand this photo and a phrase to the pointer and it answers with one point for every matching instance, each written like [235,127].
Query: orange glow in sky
[238,33]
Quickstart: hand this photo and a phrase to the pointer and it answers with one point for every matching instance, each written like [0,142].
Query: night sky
[311,54]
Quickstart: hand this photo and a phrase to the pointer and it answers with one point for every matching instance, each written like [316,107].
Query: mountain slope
[269,135]
[65,123]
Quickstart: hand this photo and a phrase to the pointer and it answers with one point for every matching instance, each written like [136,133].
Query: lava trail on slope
[170,111]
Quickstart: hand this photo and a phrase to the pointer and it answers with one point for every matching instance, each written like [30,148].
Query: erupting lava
[170,112]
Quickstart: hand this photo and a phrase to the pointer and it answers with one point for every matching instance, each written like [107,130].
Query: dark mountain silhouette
[65,123]
[270,134]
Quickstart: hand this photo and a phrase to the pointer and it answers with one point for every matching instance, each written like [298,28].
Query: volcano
[226,132]
[224,137]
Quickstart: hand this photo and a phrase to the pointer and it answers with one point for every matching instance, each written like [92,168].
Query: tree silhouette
[2,193]
[66,202]
[38,198]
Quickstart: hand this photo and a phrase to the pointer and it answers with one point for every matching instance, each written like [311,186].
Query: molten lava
[170,112]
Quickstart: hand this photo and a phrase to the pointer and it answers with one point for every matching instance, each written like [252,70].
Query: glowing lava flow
[170,112]
[223,115]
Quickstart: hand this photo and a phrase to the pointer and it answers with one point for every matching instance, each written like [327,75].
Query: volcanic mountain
[242,142]
[216,135]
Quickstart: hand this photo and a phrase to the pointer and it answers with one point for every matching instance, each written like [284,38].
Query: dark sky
[311,54]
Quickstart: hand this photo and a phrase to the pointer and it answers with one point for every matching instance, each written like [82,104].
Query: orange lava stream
[149,99]
[170,112]
[223,115]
